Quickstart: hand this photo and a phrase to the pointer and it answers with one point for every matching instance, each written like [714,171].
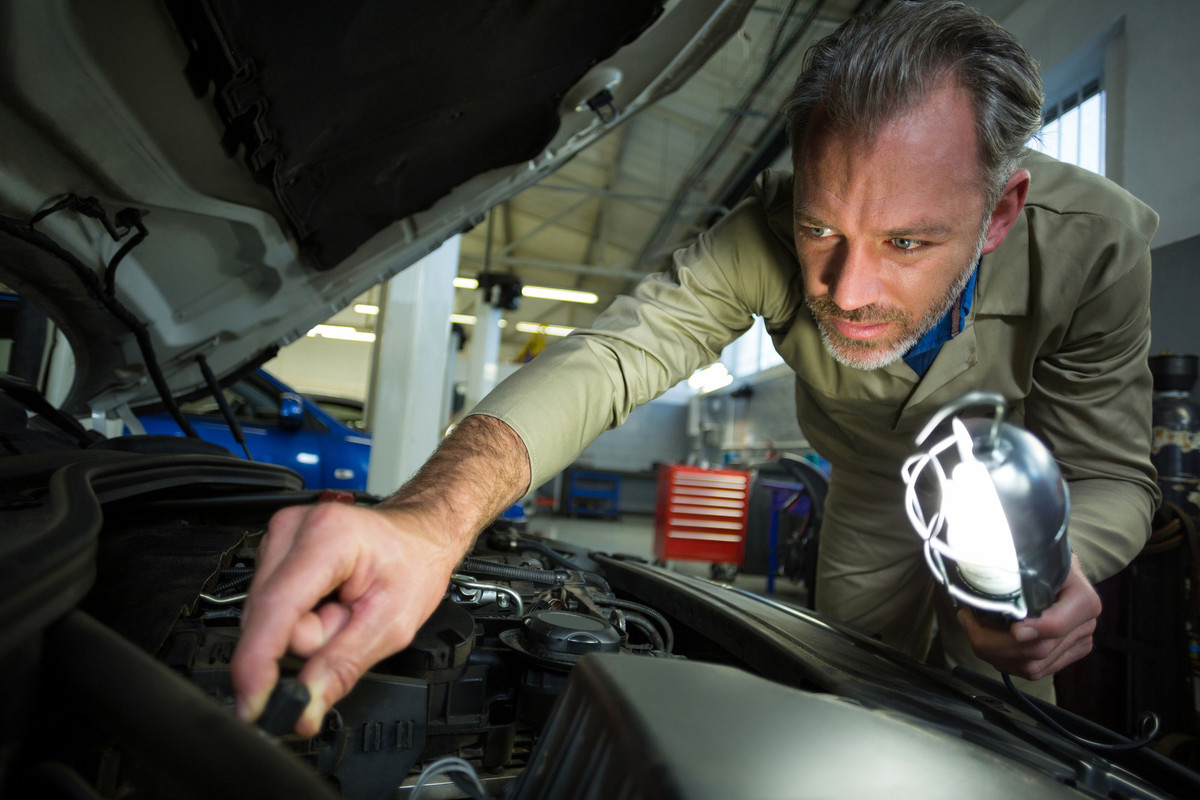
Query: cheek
[810,272]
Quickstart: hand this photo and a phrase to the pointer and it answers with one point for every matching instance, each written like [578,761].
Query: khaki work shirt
[1060,326]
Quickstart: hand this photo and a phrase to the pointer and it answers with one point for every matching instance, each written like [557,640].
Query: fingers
[333,670]
[316,628]
[1077,604]
[1032,659]
[273,547]
[387,580]
[1039,646]
[299,573]
[372,631]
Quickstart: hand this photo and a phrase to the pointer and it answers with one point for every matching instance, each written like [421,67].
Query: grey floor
[633,534]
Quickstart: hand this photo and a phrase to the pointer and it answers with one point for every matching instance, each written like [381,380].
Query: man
[911,259]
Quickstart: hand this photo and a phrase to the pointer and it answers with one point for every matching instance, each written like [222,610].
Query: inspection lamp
[997,534]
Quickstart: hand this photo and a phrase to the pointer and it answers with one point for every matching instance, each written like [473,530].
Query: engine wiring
[91,208]
[458,770]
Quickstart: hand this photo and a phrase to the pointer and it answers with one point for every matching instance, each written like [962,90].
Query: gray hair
[875,67]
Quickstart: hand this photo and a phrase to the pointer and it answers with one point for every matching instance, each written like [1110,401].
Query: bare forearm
[479,470]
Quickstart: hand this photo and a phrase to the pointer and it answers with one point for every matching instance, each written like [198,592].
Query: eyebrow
[929,229]
[924,230]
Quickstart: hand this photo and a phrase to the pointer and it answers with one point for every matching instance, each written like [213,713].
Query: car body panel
[99,103]
[149,570]
[324,451]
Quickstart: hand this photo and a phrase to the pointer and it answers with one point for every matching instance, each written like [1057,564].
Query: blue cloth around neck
[921,355]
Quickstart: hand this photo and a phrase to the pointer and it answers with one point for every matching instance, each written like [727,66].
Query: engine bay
[478,682]
[547,671]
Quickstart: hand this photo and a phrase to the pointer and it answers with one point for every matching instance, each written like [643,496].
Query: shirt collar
[921,355]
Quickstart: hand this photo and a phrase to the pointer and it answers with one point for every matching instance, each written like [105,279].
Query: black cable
[629,605]
[532,574]
[235,427]
[564,561]
[87,277]
[88,206]
[636,620]
[511,573]
[1149,725]
[130,218]
[549,552]
[33,400]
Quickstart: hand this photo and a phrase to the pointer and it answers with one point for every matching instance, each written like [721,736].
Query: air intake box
[628,728]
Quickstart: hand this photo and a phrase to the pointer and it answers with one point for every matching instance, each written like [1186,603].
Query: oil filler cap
[561,637]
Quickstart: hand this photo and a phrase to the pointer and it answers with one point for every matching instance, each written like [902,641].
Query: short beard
[868,355]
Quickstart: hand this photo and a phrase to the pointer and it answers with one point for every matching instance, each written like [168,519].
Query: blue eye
[906,244]
[817,232]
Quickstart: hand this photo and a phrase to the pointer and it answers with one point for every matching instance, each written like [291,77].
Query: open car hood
[251,167]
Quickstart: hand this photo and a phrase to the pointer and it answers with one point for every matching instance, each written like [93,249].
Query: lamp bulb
[977,527]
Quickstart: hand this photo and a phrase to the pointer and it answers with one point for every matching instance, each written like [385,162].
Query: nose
[853,277]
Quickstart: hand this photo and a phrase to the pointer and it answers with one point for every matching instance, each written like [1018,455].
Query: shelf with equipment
[592,493]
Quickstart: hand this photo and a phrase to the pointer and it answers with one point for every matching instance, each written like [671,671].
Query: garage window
[752,352]
[1083,90]
[1074,128]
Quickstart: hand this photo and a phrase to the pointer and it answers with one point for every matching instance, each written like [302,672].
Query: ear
[1007,209]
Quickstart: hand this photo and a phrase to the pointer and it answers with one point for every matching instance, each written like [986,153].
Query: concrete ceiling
[620,208]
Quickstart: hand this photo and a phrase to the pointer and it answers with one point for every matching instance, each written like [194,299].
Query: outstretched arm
[345,586]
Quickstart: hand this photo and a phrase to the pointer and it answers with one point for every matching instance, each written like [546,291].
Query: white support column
[485,351]
[412,346]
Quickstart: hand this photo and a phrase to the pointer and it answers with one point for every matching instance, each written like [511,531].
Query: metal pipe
[467,583]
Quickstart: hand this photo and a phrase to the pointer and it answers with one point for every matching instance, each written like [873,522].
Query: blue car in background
[282,426]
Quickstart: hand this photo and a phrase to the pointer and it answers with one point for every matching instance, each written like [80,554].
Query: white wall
[1154,70]
[324,366]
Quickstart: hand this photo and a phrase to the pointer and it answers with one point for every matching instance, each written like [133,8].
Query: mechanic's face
[888,231]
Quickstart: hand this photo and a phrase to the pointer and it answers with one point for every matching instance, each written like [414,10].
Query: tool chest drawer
[701,514]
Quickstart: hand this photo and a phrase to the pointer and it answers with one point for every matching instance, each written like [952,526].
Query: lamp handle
[968,400]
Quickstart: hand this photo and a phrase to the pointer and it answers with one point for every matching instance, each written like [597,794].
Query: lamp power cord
[1148,725]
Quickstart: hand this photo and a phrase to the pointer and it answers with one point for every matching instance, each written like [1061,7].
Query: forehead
[922,164]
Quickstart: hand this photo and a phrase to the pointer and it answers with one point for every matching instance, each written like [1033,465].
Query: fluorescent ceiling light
[342,332]
[468,319]
[565,295]
[549,330]
[363,308]
[539,292]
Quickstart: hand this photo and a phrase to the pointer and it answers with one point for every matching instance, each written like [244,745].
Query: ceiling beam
[725,134]
[508,249]
[647,198]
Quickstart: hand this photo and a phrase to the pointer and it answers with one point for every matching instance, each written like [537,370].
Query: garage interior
[618,210]
[407,359]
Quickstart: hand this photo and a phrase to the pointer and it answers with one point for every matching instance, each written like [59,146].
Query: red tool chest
[701,514]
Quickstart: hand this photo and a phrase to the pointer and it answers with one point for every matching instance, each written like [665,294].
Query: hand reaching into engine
[345,586]
[1039,646]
